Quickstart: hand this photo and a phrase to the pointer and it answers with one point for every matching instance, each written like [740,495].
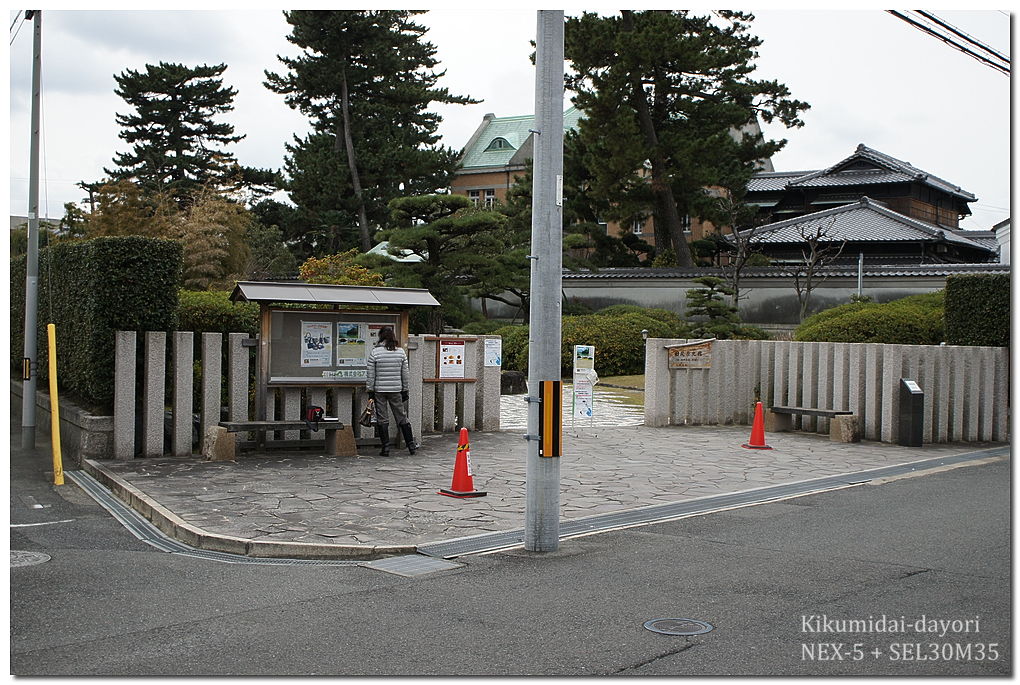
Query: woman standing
[387,385]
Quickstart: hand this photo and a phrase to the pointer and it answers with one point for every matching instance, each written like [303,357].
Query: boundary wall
[966,389]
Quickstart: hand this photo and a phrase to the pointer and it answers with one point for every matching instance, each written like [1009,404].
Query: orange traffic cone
[463,483]
[758,430]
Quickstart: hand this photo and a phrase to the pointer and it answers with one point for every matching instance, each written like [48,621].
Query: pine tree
[662,91]
[366,80]
[176,144]
[458,245]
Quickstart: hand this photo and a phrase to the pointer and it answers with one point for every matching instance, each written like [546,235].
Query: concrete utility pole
[32,264]
[545,421]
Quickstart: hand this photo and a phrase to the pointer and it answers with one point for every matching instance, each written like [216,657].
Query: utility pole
[32,266]
[545,420]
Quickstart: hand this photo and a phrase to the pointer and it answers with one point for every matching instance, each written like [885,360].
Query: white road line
[44,523]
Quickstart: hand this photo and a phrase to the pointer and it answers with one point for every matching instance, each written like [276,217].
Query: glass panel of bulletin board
[313,347]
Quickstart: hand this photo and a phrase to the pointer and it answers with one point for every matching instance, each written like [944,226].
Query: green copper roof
[515,131]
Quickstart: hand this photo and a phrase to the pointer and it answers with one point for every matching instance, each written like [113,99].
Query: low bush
[914,320]
[213,312]
[619,345]
[977,310]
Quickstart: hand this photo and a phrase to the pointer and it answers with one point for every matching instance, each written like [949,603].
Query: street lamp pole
[545,420]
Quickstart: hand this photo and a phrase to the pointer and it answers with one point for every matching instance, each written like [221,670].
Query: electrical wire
[15,21]
[19,30]
[970,39]
[951,42]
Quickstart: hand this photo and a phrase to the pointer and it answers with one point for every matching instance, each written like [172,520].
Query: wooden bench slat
[240,426]
[810,411]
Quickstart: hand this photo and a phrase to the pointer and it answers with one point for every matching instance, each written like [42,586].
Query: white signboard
[585,379]
[351,349]
[493,351]
[451,359]
[316,343]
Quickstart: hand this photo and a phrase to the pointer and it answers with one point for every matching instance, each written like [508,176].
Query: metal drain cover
[678,626]
[20,558]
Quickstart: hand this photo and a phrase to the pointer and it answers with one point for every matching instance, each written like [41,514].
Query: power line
[23,20]
[950,41]
[970,39]
[16,16]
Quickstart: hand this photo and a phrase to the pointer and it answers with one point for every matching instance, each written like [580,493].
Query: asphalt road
[774,580]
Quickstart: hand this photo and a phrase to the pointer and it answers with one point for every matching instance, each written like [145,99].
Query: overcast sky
[869,77]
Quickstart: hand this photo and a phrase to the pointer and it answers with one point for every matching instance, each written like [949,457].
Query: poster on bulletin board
[451,358]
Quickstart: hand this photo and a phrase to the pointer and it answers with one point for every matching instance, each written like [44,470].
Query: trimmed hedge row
[89,289]
[914,320]
[213,312]
[977,310]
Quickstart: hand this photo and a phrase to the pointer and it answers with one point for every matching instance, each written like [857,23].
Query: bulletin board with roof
[327,345]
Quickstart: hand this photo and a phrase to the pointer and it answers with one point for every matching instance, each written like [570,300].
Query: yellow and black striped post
[550,425]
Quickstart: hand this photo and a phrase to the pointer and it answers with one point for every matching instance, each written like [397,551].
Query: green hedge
[977,310]
[213,312]
[89,289]
[619,346]
[914,320]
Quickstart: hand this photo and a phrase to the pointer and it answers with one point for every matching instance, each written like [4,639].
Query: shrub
[619,346]
[90,289]
[663,315]
[914,320]
[977,310]
[213,312]
[485,326]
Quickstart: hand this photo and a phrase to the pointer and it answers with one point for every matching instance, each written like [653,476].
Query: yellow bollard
[58,469]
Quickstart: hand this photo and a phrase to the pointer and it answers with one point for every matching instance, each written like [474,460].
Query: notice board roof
[261,291]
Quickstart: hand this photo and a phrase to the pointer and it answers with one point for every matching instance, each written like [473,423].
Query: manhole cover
[19,558]
[678,626]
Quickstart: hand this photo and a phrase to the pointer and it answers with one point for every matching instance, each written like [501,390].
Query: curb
[175,527]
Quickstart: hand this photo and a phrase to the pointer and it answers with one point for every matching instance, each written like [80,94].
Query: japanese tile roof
[864,221]
[514,130]
[848,271]
[773,180]
[884,169]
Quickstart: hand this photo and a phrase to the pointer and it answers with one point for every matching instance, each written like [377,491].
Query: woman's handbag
[367,418]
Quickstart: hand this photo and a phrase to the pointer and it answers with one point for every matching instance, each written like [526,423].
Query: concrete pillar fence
[167,381]
[966,388]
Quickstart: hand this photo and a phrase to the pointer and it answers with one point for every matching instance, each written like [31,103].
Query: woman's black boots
[405,429]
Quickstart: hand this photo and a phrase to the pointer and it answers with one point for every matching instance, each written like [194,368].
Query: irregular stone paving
[372,500]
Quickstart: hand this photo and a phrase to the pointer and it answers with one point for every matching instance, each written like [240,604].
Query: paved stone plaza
[378,501]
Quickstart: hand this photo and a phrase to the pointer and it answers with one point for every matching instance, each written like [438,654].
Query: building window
[638,227]
[475,196]
[499,144]
[685,223]
[490,198]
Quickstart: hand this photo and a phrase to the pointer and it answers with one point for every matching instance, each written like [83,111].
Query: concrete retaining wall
[82,435]
[966,388]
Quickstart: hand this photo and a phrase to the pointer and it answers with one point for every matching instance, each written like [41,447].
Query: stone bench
[220,442]
[843,426]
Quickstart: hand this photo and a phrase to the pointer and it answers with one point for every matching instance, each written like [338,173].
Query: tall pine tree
[177,146]
[662,93]
[366,80]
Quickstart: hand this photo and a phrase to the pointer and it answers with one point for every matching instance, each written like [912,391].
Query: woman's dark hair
[386,336]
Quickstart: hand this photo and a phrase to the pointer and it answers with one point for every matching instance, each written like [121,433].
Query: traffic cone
[463,483]
[758,430]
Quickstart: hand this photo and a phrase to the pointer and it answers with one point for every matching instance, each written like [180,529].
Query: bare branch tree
[744,242]
[818,251]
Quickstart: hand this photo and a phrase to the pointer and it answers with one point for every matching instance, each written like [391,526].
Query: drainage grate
[490,542]
[678,626]
[145,531]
